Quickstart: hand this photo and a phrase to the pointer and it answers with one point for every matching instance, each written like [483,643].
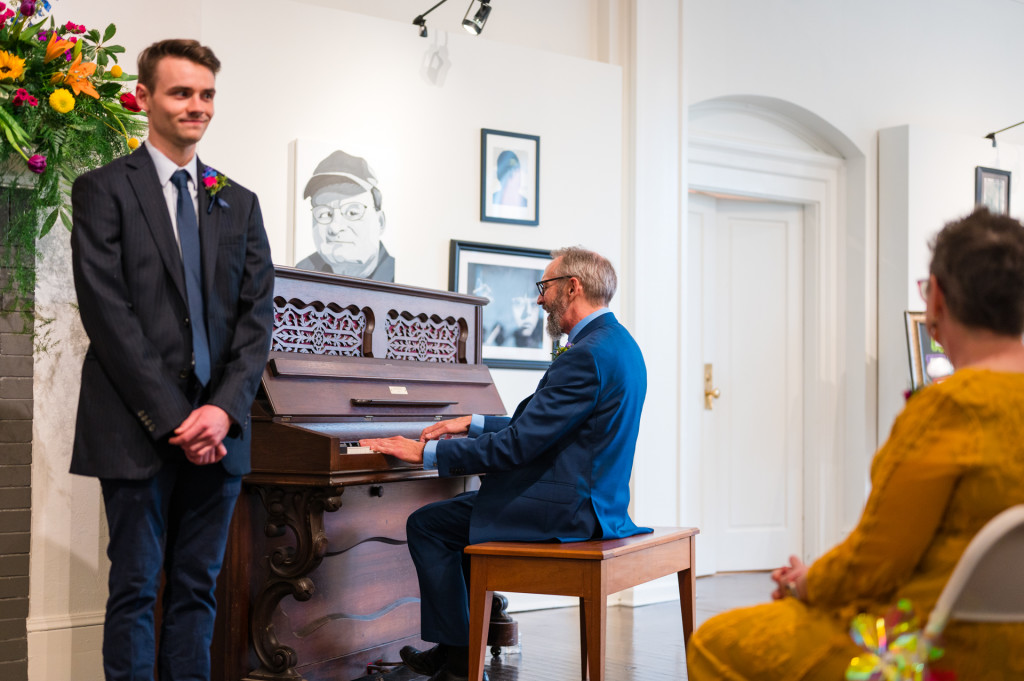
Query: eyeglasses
[922,287]
[325,215]
[542,288]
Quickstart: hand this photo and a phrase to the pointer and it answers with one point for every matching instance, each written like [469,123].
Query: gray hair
[595,273]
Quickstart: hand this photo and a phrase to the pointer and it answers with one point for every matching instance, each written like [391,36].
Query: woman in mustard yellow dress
[954,459]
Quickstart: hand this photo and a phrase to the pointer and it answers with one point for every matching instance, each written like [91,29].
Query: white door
[749,292]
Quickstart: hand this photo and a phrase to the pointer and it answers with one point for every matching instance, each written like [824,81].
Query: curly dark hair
[978,262]
[174,47]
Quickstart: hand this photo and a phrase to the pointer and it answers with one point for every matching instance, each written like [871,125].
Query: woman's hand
[791,580]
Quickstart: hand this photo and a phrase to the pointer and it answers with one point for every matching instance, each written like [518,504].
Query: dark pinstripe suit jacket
[131,292]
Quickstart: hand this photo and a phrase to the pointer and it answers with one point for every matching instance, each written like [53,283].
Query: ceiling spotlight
[421,20]
[476,24]
[422,23]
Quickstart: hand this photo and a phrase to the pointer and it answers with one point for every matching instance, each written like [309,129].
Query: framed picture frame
[513,322]
[992,189]
[928,361]
[509,177]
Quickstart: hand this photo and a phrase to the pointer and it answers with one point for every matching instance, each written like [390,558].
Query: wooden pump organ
[317,582]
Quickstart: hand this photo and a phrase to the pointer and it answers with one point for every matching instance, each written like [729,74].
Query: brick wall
[15,484]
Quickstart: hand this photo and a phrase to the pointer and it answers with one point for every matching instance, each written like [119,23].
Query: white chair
[986,585]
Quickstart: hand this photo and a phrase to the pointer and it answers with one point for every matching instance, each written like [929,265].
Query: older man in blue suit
[557,470]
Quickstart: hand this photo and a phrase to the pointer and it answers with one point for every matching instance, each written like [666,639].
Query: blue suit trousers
[177,521]
[437,535]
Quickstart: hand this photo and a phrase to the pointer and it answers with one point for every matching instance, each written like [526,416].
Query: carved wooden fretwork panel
[425,339]
[318,329]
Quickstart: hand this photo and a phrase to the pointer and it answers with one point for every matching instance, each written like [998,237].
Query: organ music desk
[317,582]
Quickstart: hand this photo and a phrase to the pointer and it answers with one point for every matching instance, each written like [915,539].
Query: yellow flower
[62,101]
[116,71]
[133,142]
[55,47]
[11,66]
[78,77]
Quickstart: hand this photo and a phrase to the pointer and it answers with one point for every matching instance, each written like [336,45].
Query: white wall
[861,67]
[300,70]
[926,179]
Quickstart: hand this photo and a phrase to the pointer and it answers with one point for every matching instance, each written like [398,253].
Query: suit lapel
[209,222]
[146,185]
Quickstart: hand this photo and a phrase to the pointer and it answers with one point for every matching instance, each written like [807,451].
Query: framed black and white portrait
[513,322]
[509,177]
[992,189]
[338,222]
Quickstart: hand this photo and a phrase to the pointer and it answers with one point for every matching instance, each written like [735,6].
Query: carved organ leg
[301,510]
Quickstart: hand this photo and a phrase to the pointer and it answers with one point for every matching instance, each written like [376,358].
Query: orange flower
[78,77]
[56,47]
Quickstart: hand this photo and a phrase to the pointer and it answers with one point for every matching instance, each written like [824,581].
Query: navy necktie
[188,233]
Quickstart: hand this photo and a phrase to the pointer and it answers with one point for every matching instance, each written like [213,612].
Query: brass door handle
[710,392]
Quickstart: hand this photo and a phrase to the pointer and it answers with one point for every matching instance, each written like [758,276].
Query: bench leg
[688,595]
[479,621]
[593,612]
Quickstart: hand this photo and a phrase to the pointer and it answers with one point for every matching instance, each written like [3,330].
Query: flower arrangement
[62,111]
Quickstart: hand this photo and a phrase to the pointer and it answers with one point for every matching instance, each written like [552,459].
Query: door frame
[813,180]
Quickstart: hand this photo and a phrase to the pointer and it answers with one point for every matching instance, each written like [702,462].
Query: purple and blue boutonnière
[214,182]
[560,349]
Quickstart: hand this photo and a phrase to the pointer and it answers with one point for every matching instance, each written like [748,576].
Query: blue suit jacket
[130,282]
[559,467]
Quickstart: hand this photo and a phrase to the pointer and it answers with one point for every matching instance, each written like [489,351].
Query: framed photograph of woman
[509,177]
[992,189]
[513,322]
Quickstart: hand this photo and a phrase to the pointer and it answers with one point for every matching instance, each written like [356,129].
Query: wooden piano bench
[590,570]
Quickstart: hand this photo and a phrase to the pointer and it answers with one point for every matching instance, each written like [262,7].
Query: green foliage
[93,132]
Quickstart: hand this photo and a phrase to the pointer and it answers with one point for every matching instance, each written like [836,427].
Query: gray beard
[555,312]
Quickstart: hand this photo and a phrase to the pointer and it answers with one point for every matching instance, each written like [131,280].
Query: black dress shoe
[425,662]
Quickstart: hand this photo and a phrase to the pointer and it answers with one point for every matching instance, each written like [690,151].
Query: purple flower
[28,7]
[37,164]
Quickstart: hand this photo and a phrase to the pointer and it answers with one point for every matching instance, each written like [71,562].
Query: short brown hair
[978,262]
[596,274]
[174,47]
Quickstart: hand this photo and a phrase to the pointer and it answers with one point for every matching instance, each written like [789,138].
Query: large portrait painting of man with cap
[509,177]
[339,215]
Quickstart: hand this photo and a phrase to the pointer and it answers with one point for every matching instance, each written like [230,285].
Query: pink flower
[209,181]
[37,164]
[20,96]
[31,101]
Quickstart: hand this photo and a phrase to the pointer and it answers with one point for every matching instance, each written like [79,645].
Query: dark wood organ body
[317,582]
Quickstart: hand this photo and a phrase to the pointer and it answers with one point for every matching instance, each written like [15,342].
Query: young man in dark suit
[175,283]
[558,469]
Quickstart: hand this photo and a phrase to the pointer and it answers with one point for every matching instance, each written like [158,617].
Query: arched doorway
[769,297]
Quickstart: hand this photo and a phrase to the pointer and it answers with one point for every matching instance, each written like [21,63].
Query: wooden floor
[643,644]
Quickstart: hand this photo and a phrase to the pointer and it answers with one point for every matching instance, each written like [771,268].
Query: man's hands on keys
[399,447]
[450,427]
[411,450]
